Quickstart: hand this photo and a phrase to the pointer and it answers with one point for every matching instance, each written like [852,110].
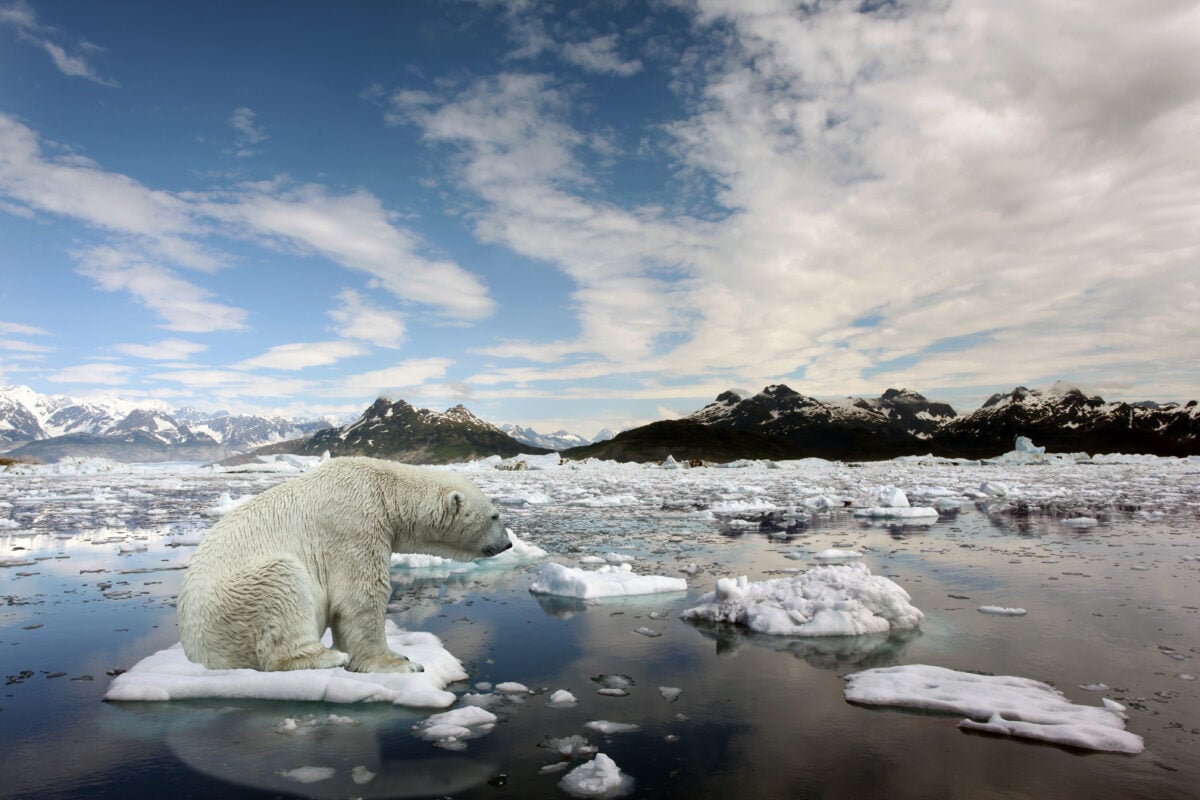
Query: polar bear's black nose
[495,550]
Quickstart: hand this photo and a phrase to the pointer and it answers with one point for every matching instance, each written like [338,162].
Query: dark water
[1117,603]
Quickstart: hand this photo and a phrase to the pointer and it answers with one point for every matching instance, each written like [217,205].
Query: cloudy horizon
[600,215]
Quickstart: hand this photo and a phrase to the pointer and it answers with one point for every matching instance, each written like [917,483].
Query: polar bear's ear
[454,502]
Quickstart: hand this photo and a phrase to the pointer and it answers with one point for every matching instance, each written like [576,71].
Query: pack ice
[834,600]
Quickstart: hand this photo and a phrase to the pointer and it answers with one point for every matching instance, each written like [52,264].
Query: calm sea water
[1116,603]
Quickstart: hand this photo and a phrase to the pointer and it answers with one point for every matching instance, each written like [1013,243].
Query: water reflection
[822,652]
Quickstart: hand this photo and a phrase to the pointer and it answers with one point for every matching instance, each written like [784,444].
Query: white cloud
[399,378]
[358,319]
[100,372]
[600,55]
[249,132]
[21,17]
[18,346]
[356,231]
[163,350]
[183,306]
[20,329]
[302,355]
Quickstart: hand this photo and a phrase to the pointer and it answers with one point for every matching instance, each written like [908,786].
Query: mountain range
[902,422]
[776,423]
[49,427]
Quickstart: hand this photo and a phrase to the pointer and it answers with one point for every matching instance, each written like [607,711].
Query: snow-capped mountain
[896,423]
[1065,419]
[403,432]
[48,427]
[559,440]
[901,422]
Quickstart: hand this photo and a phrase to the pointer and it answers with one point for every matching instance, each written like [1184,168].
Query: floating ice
[599,777]
[1002,611]
[834,554]
[996,704]
[896,512]
[608,727]
[512,687]
[308,774]
[450,729]
[834,600]
[302,726]
[562,699]
[608,581]
[168,675]
[671,693]
[226,503]
[1081,522]
[521,553]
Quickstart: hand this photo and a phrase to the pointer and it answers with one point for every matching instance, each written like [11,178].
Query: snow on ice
[600,777]
[997,704]
[168,675]
[607,581]
[833,600]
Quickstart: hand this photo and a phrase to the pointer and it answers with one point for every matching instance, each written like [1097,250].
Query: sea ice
[1002,611]
[671,693]
[599,777]
[308,774]
[833,600]
[562,699]
[835,554]
[608,728]
[449,729]
[996,704]
[896,512]
[608,581]
[168,675]
[521,553]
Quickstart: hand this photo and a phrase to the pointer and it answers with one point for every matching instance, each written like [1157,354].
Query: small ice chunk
[608,581]
[671,693]
[649,633]
[308,774]
[562,699]
[1081,522]
[994,489]
[894,512]
[599,777]
[574,746]
[891,497]
[361,775]
[512,687]
[608,727]
[449,729]
[837,554]
[1094,687]
[1002,611]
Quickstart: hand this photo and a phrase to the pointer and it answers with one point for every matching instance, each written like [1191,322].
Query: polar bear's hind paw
[317,658]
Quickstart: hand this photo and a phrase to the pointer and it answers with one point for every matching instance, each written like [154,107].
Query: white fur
[312,553]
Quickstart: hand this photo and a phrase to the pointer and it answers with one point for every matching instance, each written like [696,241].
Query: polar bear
[314,552]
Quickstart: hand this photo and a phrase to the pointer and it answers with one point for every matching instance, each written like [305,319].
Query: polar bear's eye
[496,515]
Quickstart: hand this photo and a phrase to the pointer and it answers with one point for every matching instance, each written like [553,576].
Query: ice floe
[833,600]
[600,777]
[521,553]
[998,704]
[1002,611]
[168,675]
[607,581]
[451,729]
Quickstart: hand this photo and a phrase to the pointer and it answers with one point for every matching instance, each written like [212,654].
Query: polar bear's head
[474,522]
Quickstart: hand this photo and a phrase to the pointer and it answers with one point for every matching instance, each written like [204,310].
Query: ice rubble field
[82,516]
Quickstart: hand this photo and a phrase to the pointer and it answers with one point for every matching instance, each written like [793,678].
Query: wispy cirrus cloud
[21,17]
[249,131]
[599,55]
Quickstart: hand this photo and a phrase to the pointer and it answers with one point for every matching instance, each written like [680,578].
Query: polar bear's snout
[497,538]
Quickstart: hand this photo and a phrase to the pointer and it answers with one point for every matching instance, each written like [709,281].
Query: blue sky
[592,215]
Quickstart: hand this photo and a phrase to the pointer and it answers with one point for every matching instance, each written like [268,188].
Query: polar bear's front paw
[386,663]
[313,657]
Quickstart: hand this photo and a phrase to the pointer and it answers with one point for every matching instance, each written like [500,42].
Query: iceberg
[608,581]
